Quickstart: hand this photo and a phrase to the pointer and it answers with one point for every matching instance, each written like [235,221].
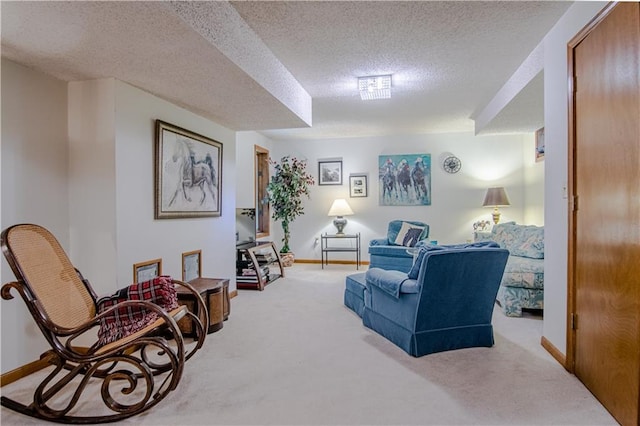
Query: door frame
[570,359]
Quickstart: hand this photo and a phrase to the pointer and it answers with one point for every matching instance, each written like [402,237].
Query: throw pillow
[409,235]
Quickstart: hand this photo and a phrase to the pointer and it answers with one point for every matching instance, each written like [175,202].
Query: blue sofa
[389,253]
[444,302]
[522,284]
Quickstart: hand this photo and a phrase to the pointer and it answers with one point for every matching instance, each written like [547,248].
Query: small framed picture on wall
[330,172]
[358,186]
[191,265]
[145,271]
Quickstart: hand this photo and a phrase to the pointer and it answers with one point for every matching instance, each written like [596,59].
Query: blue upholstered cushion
[415,269]
[426,249]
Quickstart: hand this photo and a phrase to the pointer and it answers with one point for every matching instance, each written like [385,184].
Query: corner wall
[112,135]
[77,158]
[139,237]
[34,186]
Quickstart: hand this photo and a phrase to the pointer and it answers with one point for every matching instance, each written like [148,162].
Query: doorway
[262,198]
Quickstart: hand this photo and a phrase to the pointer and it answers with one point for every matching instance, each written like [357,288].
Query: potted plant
[289,182]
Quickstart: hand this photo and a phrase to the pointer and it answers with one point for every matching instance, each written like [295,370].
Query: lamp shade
[496,197]
[340,207]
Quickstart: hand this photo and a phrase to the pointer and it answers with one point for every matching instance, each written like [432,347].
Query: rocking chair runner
[136,372]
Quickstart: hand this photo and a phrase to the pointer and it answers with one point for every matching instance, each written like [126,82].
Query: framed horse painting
[188,173]
[405,180]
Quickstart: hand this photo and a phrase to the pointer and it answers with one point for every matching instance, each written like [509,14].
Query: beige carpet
[294,355]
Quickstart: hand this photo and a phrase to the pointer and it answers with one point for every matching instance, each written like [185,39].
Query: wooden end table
[215,293]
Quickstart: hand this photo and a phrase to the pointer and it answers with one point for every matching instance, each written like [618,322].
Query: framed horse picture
[405,180]
[188,173]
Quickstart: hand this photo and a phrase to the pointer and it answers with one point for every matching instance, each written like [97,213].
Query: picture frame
[540,144]
[145,271]
[404,179]
[188,173]
[191,265]
[358,186]
[330,172]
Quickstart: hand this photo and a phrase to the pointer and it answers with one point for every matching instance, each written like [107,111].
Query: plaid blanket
[129,319]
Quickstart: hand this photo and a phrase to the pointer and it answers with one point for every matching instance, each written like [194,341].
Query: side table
[215,293]
[328,245]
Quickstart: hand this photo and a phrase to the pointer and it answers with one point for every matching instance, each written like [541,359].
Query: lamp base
[496,215]
[339,222]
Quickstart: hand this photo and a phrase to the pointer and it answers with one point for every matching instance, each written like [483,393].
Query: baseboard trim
[331,262]
[233,294]
[25,370]
[555,353]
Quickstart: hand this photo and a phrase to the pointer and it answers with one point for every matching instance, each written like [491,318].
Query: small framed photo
[145,271]
[191,265]
[358,186]
[330,172]
[540,144]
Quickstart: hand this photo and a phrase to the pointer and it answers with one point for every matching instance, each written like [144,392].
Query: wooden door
[605,221]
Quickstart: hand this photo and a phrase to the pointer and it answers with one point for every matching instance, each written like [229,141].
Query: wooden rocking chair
[135,372]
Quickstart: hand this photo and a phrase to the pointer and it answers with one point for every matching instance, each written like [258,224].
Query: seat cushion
[391,251]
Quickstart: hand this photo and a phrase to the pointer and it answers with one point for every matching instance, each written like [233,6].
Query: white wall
[556,167]
[92,172]
[34,186]
[533,183]
[456,198]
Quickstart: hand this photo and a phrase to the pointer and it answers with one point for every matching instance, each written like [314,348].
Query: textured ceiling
[293,66]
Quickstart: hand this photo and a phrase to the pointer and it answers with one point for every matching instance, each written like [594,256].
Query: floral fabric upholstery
[522,284]
[513,299]
[524,272]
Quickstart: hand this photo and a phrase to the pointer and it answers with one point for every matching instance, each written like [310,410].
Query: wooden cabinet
[215,293]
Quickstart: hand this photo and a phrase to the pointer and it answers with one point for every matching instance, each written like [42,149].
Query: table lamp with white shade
[340,208]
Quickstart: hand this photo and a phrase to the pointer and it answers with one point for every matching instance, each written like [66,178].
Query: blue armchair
[444,302]
[390,252]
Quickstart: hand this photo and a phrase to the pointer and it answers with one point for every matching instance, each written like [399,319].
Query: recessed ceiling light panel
[374,87]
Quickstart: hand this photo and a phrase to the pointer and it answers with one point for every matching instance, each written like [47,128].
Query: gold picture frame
[191,265]
[188,174]
[145,271]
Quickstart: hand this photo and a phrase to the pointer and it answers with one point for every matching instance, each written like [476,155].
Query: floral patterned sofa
[522,284]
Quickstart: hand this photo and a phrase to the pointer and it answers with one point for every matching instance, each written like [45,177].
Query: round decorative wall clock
[452,164]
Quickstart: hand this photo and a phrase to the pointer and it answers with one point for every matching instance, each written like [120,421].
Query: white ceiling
[290,69]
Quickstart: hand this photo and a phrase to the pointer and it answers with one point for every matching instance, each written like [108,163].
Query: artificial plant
[289,182]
